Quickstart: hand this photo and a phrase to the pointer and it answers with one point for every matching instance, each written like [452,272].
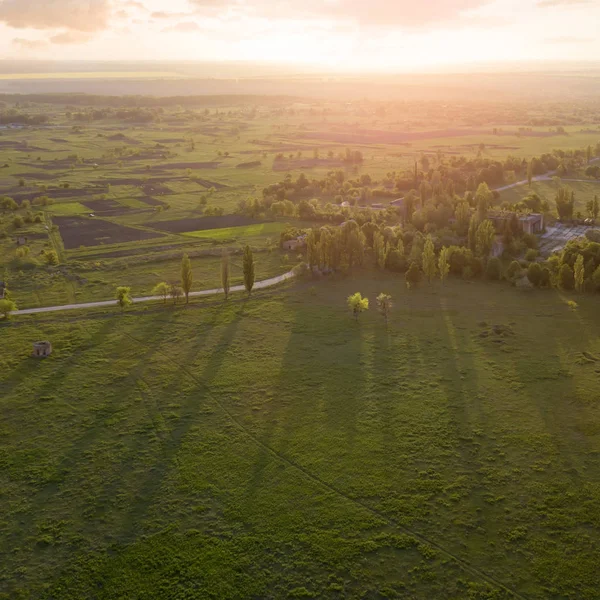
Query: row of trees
[183,288]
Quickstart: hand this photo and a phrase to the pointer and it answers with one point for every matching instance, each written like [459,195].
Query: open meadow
[276,448]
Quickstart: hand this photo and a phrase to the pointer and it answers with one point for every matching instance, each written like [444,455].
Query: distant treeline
[146,101]
[13,116]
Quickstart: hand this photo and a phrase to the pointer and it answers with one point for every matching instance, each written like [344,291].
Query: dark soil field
[79,231]
[108,208]
[208,184]
[205,223]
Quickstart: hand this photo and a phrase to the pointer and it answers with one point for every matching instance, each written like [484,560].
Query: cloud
[70,37]
[29,44]
[560,3]
[399,13]
[134,4]
[568,39]
[160,14]
[77,15]
[187,27]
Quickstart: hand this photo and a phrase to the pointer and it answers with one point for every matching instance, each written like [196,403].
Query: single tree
[384,305]
[162,289]
[187,277]
[51,257]
[357,304]
[248,264]
[534,274]
[429,266]
[124,297]
[579,273]
[530,172]
[6,307]
[175,292]
[225,274]
[486,234]
[493,270]
[444,263]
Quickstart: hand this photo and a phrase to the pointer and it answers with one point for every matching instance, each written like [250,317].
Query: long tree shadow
[321,383]
[149,490]
[43,497]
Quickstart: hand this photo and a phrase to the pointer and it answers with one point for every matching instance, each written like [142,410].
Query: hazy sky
[356,34]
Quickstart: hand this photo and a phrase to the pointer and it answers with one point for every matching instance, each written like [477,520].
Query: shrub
[531,255]
[493,270]
[530,241]
[566,277]
[534,274]
[513,271]
[546,280]
[18,222]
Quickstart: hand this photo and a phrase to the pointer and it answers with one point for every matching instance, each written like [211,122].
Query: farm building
[21,240]
[533,223]
[295,244]
[2,289]
[42,349]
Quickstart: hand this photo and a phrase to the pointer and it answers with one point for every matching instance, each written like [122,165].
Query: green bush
[534,274]
[530,241]
[531,255]
[493,270]
[514,270]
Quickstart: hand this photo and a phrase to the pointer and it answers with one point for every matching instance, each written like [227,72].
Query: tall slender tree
[444,264]
[579,273]
[187,277]
[248,269]
[429,266]
[225,274]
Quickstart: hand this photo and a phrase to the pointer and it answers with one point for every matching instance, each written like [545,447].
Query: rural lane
[545,177]
[260,285]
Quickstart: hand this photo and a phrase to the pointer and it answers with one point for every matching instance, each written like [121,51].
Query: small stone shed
[42,349]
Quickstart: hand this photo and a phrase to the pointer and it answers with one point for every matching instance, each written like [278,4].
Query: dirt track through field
[260,285]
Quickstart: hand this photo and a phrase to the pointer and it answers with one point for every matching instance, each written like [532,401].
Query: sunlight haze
[340,34]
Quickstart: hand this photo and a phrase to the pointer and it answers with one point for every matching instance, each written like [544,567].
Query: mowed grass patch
[245,231]
[67,208]
[275,448]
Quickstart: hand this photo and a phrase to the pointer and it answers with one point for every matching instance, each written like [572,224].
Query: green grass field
[276,448]
[247,231]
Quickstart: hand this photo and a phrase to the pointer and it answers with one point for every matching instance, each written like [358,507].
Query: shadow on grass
[149,489]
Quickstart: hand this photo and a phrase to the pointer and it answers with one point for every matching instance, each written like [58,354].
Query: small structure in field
[42,349]
[21,240]
[295,244]
[2,289]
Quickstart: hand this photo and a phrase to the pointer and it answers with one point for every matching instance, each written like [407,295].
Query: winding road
[259,285]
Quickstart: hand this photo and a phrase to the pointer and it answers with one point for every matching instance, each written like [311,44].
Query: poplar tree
[444,264]
[248,269]
[187,277]
[429,266]
[579,273]
[225,274]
